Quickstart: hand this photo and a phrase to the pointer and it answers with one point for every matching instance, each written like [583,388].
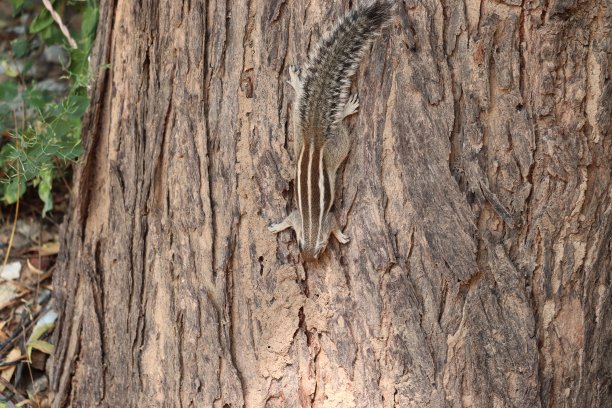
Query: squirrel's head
[311,251]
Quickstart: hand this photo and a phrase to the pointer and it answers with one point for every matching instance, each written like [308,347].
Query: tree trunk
[477,196]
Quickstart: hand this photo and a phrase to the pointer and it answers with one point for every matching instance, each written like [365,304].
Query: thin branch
[18,396]
[58,20]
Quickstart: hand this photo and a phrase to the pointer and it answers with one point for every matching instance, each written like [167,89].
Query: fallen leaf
[39,345]
[7,372]
[7,294]
[34,268]
[50,248]
[3,335]
[43,325]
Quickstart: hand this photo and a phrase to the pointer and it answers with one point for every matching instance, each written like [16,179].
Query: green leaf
[10,70]
[39,345]
[44,189]
[6,118]
[19,46]
[78,62]
[5,155]
[38,151]
[68,149]
[35,98]
[76,151]
[42,327]
[76,105]
[61,128]
[14,190]
[41,21]
[53,35]
[90,21]
[27,65]
[8,90]
[17,4]
[30,167]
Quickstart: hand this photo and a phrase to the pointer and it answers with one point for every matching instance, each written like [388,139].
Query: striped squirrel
[322,141]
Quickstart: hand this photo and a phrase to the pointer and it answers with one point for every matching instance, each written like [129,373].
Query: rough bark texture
[477,196]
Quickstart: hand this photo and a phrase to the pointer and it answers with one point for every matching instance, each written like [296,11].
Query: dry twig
[58,20]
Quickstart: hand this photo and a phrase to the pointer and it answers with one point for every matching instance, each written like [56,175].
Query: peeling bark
[477,196]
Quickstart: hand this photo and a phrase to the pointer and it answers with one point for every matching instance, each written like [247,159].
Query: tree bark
[477,195]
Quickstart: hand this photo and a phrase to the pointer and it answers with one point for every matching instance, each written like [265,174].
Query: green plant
[40,130]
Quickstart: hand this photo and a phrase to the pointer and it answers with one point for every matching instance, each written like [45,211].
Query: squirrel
[322,141]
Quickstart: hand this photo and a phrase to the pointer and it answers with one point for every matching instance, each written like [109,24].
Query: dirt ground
[27,312]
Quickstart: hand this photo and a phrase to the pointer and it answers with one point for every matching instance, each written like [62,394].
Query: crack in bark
[521,50]
[141,322]
[207,75]
[98,287]
[179,333]
[229,292]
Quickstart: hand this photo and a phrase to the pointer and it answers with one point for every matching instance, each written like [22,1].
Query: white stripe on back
[321,195]
[310,203]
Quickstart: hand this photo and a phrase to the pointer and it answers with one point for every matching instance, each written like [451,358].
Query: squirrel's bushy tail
[326,78]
